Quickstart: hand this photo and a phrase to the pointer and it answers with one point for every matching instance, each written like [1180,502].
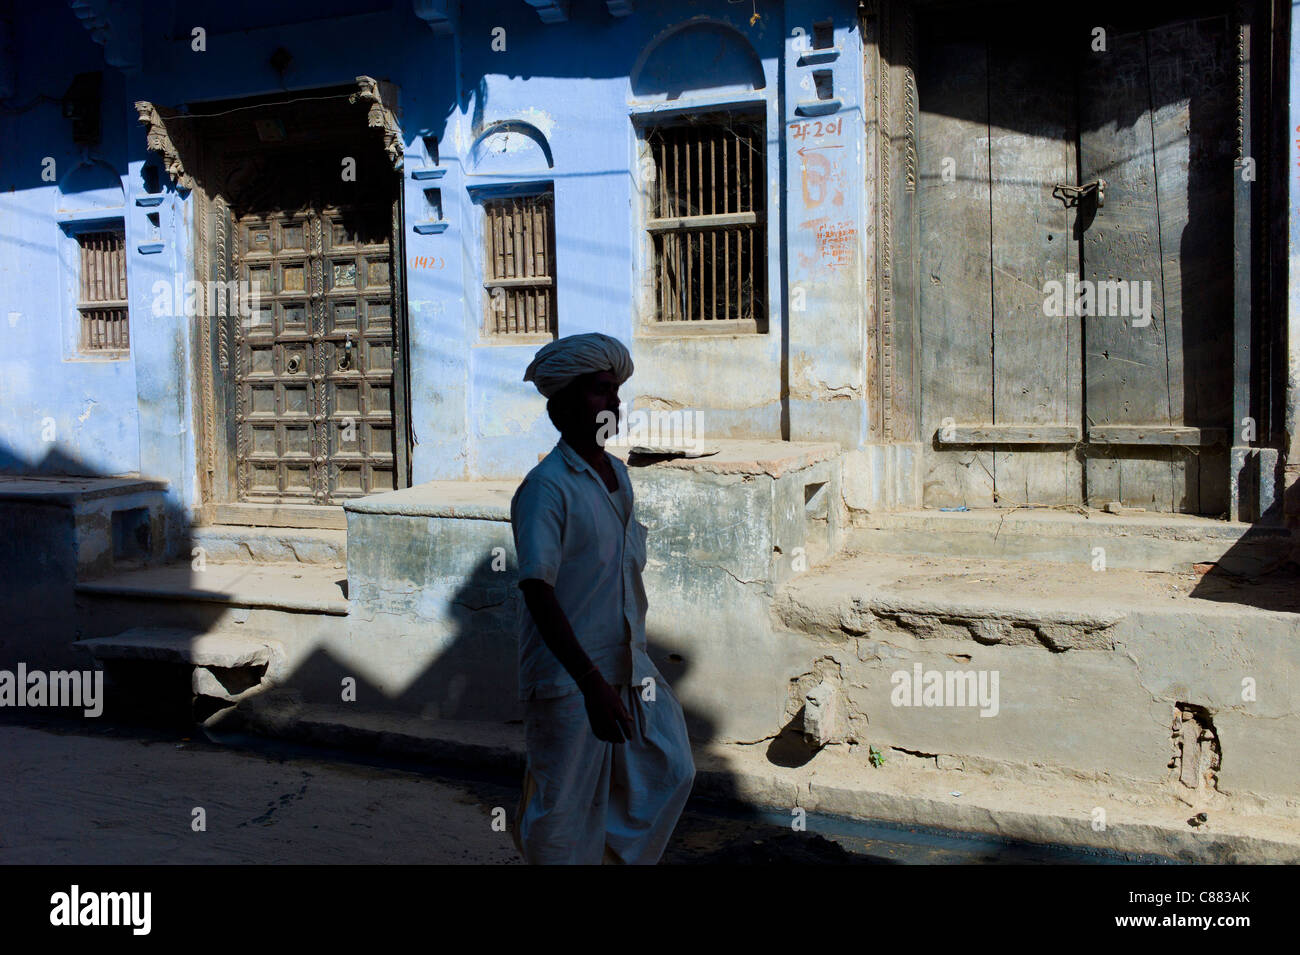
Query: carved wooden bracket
[380,116]
[169,140]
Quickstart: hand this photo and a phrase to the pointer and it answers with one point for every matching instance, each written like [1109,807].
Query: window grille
[706,217]
[101,299]
[519,234]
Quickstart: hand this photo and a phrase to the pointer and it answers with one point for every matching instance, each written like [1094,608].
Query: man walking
[609,761]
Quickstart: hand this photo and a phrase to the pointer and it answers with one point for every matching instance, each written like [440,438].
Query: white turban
[559,362]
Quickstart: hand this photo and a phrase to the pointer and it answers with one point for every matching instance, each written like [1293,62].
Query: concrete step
[1169,543]
[171,672]
[1095,674]
[1057,605]
[311,588]
[236,544]
[226,651]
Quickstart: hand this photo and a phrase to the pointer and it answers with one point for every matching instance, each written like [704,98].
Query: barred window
[706,224]
[102,296]
[519,264]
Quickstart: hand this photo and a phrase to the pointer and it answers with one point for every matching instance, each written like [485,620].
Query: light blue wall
[573,85]
[59,411]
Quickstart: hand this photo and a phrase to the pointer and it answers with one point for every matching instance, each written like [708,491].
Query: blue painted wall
[576,93]
[59,411]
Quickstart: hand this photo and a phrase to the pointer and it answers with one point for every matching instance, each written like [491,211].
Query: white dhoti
[586,801]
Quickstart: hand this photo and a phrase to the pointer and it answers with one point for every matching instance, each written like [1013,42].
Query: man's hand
[610,720]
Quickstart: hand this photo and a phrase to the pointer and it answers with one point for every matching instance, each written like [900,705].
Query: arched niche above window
[701,56]
[512,147]
[92,184]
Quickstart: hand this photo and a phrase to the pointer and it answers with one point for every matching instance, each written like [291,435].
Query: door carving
[310,377]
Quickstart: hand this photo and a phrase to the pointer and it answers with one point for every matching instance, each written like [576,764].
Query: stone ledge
[1070,606]
[228,543]
[1067,523]
[471,500]
[296,587]
[189,647]
[70,491]
[743,456]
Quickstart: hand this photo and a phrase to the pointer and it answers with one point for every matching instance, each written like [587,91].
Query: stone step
[1059,606]
[236,544]
[191,647]
[1168,543]
[229,667]
[1036,806]
[311,588]
[988,663]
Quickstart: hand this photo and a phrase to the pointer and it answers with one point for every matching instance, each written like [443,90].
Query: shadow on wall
[50,539]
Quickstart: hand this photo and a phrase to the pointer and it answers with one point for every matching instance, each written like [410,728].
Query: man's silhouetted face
[577,410]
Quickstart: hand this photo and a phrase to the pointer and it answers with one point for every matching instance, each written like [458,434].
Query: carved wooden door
[313,374]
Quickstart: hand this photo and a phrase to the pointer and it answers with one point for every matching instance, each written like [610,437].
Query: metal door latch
[1071,195]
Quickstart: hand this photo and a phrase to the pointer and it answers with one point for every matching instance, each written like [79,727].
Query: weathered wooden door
[314,368]
[1024,399]
[1158,124]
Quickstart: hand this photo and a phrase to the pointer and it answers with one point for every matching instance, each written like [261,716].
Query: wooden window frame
[94,282]
[494,265]
[740,228]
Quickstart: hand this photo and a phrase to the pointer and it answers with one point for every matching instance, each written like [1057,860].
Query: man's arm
[610,720]
[537,518]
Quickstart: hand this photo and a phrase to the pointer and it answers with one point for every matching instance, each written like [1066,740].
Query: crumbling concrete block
[1197,753]
[823,714]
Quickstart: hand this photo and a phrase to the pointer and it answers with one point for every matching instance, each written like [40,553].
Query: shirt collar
[573,458]
[578,463]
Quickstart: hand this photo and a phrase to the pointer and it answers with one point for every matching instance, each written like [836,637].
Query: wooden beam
[280,515]
[717,221]
[527,281]
[1157,435]
[1009,434]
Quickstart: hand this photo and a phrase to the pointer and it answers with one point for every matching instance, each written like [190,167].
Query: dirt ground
[82,794]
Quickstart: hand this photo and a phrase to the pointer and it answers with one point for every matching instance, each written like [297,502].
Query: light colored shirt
[571,532]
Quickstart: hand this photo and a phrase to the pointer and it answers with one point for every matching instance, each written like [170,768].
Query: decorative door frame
[184,154]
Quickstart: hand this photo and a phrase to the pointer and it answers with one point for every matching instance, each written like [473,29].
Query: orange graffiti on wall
[821,177]
[836,241]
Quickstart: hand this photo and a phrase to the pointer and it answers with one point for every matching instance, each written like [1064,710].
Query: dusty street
[84,793]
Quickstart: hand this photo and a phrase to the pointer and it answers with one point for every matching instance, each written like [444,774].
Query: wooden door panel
[314,374]
[1003,115]
[1036,357]
[276,394]
[1127,377]
[1191,90]
[955,275]
[1154,123]
[359,347]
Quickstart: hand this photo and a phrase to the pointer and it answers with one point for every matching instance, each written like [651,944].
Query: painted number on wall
[815,128]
